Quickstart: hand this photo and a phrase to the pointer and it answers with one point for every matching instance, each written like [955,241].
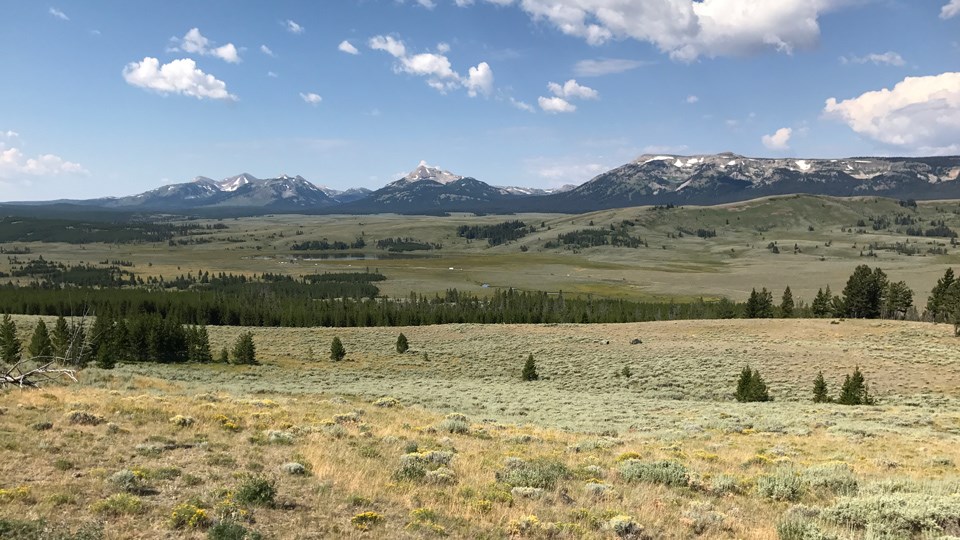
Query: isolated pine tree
[530,370]
[10,346]
[244,351]
[786,304]
[751,386]
[40,345]
[337,352]
[743,385]
[855,390]
[820,393]
[402,344]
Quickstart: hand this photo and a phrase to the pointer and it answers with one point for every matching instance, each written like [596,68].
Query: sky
[106,98]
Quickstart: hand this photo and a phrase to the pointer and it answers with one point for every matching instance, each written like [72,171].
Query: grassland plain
[832,236]
[451,442]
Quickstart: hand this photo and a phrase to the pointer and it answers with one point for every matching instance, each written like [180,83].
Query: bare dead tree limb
[44,372]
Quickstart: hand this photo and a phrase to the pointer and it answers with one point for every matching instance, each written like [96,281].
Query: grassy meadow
[632,430]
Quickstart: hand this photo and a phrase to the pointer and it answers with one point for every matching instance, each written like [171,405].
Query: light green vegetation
[730,264]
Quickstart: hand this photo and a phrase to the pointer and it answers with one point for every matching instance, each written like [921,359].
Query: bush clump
[188,516]
[455,423]
[83,418]
[256,490]
[120,504]
[129,481]
[784,484]
[624,526]
[387,402]
[364,521]
[231,530]
[182,421]
[294,468]
[541,473]
[835,478]
[669,473]
[416,465]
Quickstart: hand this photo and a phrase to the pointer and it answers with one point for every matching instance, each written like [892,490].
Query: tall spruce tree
[937,308]
[529,372]
[786,304]
[10,346]
[337,351]
[897,300]
[60,338]
[402,344]
[822,304]
[40,344]
[751,387]
[863,296]
[820,392]
[244,350]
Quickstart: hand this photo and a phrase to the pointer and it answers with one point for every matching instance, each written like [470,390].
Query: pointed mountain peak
[435,174]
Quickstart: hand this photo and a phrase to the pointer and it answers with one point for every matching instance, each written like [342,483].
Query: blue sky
[114,98]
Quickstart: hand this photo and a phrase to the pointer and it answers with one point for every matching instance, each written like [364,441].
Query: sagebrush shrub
[256,490]
[538,473]
[784,484]
[668,473]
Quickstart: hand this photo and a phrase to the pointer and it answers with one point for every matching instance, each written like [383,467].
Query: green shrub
[796,528]
[337,351]
[121,504]
[836,478]
[256,490]
[188,516]
[903,514]
[784,484]
[128,481]
[538,473]
[231,530]
[402,344]
[366,520]
[669,473]
[624,526]
[454,423]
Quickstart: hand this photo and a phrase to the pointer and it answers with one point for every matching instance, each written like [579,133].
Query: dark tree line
[501,233]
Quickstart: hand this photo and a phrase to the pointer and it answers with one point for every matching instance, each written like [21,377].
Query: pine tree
[786,304]
[40,345]
[530,370]
[224,356]
[820,393]
[855,390]
[821,303]
[60,338]
[10,346]
[244,350]
[751,387]
[743,385]
[898,300]
[937,308]
[402,344]
[337,352]
[863,296]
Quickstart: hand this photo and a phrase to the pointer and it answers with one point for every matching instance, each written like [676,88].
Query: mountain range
[650,179]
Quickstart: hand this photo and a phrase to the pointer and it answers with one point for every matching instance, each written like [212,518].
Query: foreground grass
[151,451]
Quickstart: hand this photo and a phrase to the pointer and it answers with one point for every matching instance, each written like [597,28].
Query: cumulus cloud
[889,58]
[266,50]
[555,105]
[692,99]
[63,16]
[311,98]
[571,89]
[194,42]
[779,140]
[347,47]
[605,66]
[436,67]
[293,27]
[177,77]
[951,9]
[688,29]
[15,165]
[523,106]
[918,115]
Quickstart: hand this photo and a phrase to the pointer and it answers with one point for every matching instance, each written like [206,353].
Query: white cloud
[195,42]
[479,80]
[14,165]
[919,115]
[780,140]
[561,171]
[605,66]
[692,99]
[266,50]
[311,98]
[293,27]
[523,106]
[688,29]
[58,14]
[888,58]
[436,67]
[347,47]
[395,47]
[951,9]
[665,149]
[177,77]
[272,74]
[556,105]
[443,48]
[429,4]
[571,89]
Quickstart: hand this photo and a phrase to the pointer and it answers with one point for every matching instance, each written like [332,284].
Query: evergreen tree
[863,296]
[898,300]
[244,350]
[751,309]
[937,306]
[855,390]
[820,392]
[402,344]
[10,346]
[822,304]
[60,338]
[751,387]
[224,356]
[198,345]
[786,304]
[529,372]
[337,352]
[40,345]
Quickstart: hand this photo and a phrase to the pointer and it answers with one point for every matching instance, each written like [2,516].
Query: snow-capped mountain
[535,192]
[433,174]
[727,177]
